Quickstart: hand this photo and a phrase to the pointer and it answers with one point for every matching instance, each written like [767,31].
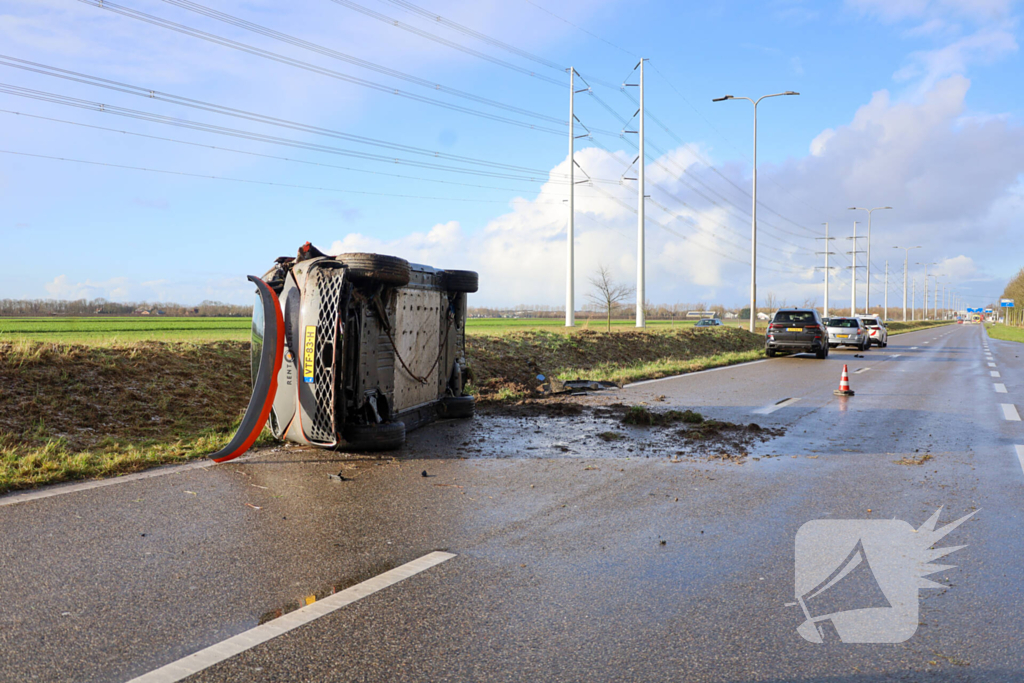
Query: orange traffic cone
[844,385]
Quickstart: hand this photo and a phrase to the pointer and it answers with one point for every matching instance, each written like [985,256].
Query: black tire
[457,406]
[770,353]
[461,281]
[390,270]
[822,353]
[885,343]
[386,436]
[866,346]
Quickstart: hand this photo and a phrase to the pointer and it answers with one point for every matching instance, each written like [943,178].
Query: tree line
[1015,290]
[29,308]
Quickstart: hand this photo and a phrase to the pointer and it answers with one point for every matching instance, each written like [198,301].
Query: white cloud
[891,11]
[234,290]
[986,46]
[521,254]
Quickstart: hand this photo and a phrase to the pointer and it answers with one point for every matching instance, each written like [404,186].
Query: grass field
[1006,333]
[115,331]
[499,325]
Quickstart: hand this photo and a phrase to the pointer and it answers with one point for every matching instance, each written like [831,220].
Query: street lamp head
[886,207]
[790,92]
[722,99]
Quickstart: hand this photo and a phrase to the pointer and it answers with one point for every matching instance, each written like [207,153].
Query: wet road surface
[576,558]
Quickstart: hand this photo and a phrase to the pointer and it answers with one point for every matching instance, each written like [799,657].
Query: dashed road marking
[994,373]
[226,649]
[1000,388]
[991,365]
[768,410]
[857,372]
[1020,455]
[1010,412]
[913,348]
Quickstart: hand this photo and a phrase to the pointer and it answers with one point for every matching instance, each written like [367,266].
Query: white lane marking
[991,365]
[895,355]
[691,374]
[913,348]
[61,489]
[1020,455]
[768,410]
[204,659]
[994,373]
[857,372]
[1000,388]
[1010,412]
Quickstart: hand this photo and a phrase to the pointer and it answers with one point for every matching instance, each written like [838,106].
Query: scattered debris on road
[914,460]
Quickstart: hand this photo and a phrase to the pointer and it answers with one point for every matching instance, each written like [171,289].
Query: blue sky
[911,103]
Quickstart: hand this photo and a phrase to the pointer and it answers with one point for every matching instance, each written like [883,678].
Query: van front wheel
[386,436]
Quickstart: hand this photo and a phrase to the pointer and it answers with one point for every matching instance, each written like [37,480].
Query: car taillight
[816,328]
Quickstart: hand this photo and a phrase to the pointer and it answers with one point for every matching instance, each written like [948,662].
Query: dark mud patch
[546,428]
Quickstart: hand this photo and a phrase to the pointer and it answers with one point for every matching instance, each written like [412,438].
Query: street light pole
[906,259]
[753,210]
[867,291]
[570,267]
[885,311]
[641,294]
[827,253]
[926,287]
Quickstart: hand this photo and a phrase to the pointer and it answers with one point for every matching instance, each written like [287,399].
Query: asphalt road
[575,558]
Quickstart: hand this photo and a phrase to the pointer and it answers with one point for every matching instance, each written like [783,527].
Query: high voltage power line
[241,113]
[450,43]
[255,182]
[249,135]
[273,56]
[257,154]
[356,61]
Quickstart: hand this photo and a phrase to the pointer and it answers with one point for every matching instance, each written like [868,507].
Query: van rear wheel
[457,406]
[461,281]
[386,436]
[390,270]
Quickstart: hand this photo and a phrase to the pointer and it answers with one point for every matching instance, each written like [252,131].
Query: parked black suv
[796,330]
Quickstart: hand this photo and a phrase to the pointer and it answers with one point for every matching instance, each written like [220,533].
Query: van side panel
[418,339]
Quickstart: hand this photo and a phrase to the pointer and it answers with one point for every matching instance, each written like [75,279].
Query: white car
[876,330]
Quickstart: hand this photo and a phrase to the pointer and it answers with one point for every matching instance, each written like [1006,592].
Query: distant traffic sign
[1006,303]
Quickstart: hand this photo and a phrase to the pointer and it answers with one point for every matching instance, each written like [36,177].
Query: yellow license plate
[794,329]
[308,353]
[843,336]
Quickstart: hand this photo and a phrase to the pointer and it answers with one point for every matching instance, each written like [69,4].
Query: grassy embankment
[72,412]
[1006,333]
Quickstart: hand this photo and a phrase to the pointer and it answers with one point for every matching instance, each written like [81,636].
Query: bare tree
[771,302]
[607,293]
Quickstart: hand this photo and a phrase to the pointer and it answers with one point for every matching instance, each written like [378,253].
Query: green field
[101,331]
[598,324]
[112,331]
[1006,333]
[115,331]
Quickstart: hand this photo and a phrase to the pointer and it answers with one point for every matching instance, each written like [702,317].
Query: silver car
[847,332]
